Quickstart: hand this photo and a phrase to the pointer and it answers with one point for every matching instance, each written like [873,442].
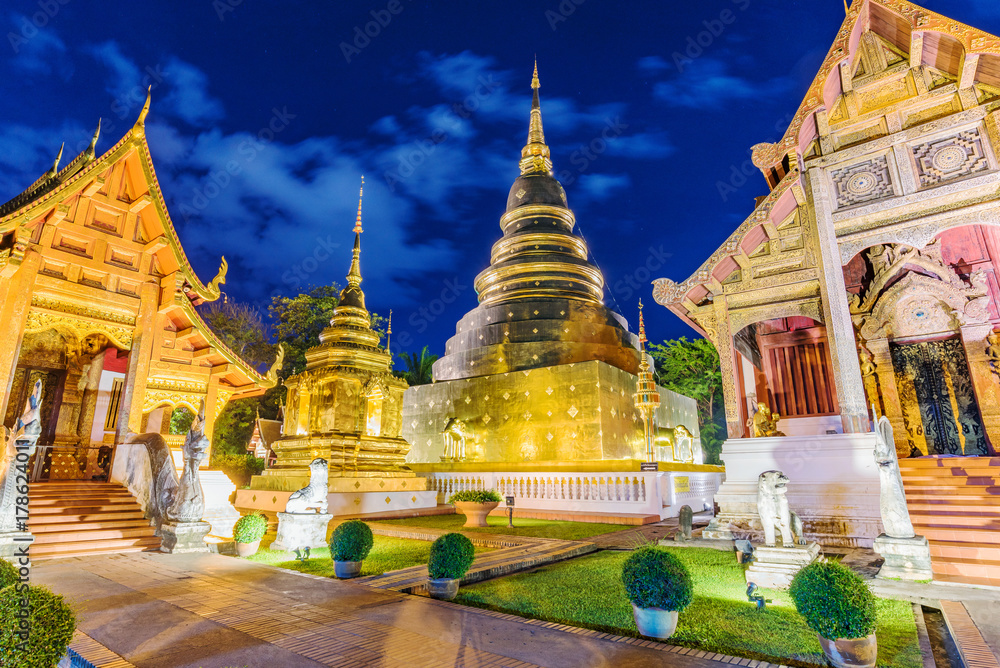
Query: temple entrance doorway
[82,382]
[937,398]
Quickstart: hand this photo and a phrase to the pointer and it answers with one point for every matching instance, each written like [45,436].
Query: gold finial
[141,121]
[55,164]
[93,140]
[535,157]
[642,328]
[388,338]
[361,193]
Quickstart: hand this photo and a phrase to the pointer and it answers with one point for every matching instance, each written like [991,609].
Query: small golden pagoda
[647,399]
[346,407]
[541,373]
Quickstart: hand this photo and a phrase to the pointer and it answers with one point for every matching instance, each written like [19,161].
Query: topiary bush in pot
[350,544]
[450,559]
[475,505]
[248,532]
[50,619]
[659,586]
[838,605]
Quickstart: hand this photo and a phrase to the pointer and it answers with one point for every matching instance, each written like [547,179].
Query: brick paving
[204,610]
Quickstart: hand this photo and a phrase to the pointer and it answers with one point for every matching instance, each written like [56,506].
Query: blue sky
[265,115]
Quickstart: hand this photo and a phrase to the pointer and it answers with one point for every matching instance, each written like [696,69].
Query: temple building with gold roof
[97,300]
[867,276]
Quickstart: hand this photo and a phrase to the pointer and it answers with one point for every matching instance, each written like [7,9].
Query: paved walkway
[211,611]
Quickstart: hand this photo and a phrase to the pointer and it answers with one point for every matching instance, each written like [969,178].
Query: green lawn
[587,592]
[388,554]
[522,526]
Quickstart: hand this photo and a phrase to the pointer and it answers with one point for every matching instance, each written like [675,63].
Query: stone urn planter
[347,569]
[444,589]
[850,652]
[655,622]
[475,513]
[350,544]
[658,586]
[247,549]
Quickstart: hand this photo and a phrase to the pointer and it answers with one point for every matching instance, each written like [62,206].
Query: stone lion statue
[313,495]
[772,507]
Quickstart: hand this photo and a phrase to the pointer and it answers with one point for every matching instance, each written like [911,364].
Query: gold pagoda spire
[535,157]
[642,330]
[354,275]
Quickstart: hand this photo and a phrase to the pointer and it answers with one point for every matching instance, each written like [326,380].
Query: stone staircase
[955,502]
[75,517]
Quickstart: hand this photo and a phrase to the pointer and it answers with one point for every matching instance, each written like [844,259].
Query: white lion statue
[313,495]
[772,507]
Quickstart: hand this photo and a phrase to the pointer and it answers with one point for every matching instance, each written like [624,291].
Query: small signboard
[649,466]
[510,501]
[682,484]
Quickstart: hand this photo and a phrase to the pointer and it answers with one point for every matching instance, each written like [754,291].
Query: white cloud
[706,83]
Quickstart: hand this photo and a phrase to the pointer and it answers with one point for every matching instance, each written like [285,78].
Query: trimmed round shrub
[49,618]
[351,541]
[477,496]
[250,528]
[8,574]
[834,600]
[655,578]
[451,556]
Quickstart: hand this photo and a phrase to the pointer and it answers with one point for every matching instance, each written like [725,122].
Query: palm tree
[418,367]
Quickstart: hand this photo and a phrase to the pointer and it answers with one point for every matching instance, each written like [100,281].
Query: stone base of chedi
[905,558]
[12,542]
[774,567]
[181,537]
[298,530]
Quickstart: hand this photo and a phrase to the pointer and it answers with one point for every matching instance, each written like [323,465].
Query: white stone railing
[562,487]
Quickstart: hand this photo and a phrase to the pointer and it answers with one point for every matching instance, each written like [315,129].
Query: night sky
[265,115]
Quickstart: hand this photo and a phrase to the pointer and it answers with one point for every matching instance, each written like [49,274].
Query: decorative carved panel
[862,182]
[950,158]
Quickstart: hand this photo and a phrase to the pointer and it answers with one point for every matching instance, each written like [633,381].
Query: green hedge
[834,600]
[351,541]
[451,556]
[250,528]
[654,578]
[8,574]
[477,496]
[239,468]
[50,619]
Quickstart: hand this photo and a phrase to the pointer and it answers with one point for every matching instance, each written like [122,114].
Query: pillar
[891,405]
[134,392]
[727,360]
[17,283]
[836,313]
[984,380]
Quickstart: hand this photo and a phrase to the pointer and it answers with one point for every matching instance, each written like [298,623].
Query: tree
[418,369]
[692,368]
[242,329]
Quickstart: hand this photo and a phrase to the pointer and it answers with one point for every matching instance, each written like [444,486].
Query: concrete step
[93,535]
[101,523]
[917,482]
[60,511]
[90,547]
[989,495]
[39,520]
[911,463]
[984,538]
[103,500]
[945,519]
[952,549]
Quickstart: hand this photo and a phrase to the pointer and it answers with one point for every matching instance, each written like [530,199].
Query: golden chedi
[540,373]
[345,407]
